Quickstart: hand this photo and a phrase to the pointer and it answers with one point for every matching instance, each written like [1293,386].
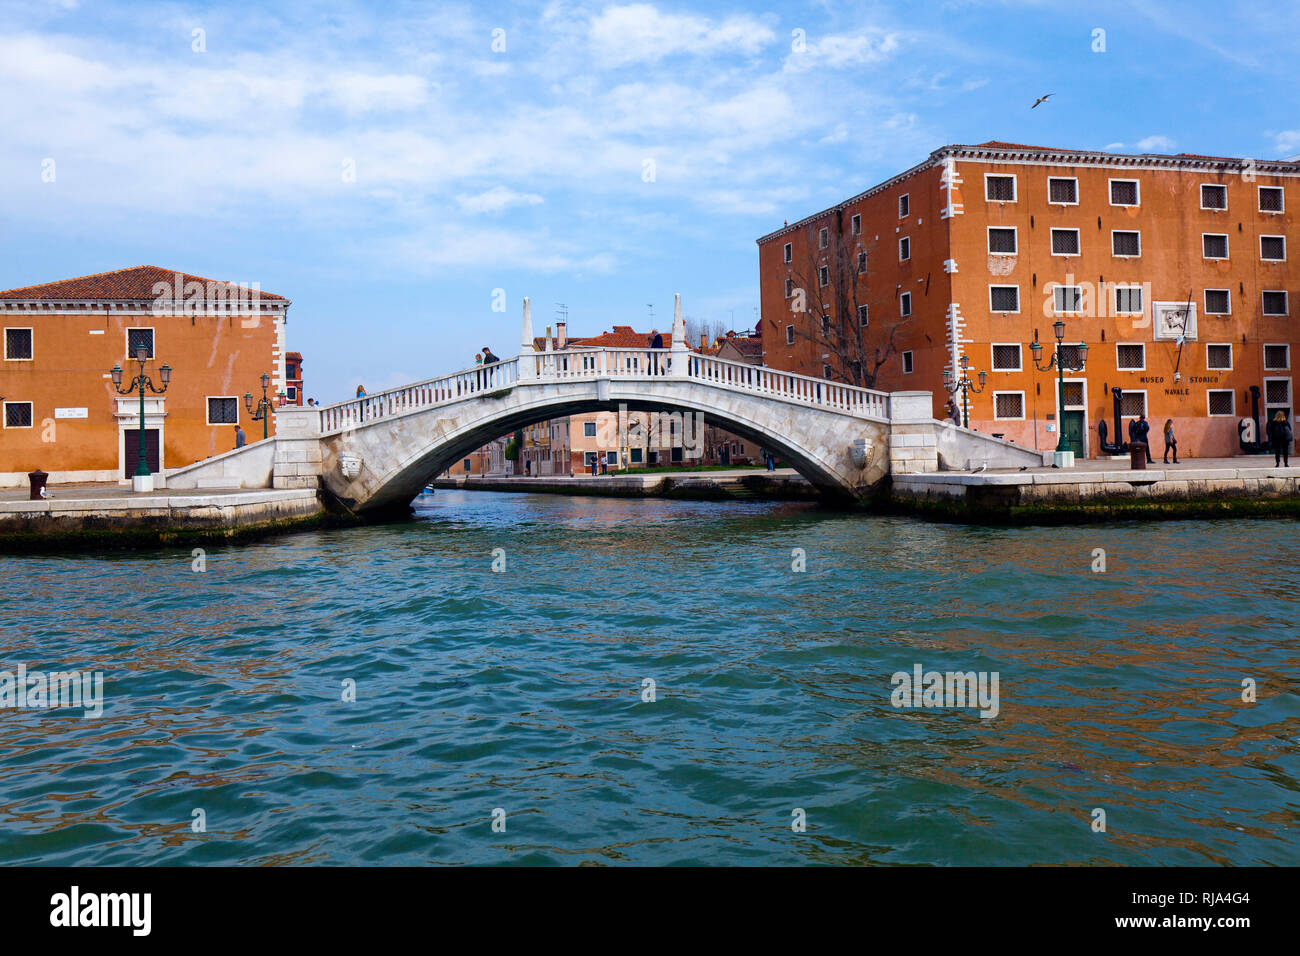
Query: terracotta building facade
[1177,271]
[61,411]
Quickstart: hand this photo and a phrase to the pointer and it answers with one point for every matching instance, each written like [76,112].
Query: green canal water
[524,690]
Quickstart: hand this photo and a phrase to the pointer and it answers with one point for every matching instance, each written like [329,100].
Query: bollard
[37,479]
[1137,455]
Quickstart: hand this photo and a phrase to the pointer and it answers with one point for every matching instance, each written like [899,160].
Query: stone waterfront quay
[106,515]
[1102,490]
[783,484]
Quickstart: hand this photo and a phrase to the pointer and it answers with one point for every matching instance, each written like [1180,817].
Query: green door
[1072,429]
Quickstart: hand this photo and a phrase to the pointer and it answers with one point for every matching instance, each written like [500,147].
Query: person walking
[954,413]
[240,438]
[1280,435]
[1138,430]
[656,342]
[1171,442]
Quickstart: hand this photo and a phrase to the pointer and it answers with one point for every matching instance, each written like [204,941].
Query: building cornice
[160,308]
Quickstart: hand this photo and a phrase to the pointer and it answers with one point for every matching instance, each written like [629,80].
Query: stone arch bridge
[375,454]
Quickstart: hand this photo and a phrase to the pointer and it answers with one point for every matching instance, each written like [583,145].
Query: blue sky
[527,169]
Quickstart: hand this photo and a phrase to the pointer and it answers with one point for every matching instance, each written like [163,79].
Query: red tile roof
[135,283]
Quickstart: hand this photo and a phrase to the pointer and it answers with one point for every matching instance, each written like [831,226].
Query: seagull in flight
[1041,99]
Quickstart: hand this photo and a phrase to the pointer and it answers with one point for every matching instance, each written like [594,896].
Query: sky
[407,172]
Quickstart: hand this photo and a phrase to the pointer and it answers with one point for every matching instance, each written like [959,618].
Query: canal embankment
[108,516]
[783,484]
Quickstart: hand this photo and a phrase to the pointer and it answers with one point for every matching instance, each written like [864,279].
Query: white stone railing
[590,364]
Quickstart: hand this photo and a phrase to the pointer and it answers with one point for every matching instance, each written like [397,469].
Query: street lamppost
[142,480]
[964,384]
[264,405]
[1064,457]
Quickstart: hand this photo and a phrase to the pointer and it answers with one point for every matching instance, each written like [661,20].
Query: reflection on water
[522,690]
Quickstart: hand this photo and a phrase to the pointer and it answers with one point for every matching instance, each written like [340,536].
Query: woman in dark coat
[1279,436]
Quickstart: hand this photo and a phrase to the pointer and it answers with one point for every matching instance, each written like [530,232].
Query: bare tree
[837,308]
[711,329]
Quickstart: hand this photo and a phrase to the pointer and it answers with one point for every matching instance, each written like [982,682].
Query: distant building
[61,412]
[293,379]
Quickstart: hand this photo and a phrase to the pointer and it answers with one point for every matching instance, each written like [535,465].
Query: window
[826,371]
[1277,392]
[789,335]
[1006,358]
[855,224]
[1128,300]
[291,393]
[137,337]
[589,458]
[1131,358]
[18,345]
[1123,192]
[862,316]
[789,251]
[1008,405]
[1274,302]
[1277,357]
[1218,357]
[823,276]
[1063,190]
[1214,197]
[1068,298]
[588,429]
[999,188]
[18,414]
[823,237]
[904,248]
[1272,248]
[468,464]
[862,262]
[1270,199]
[676,454]
[1214,245]
[1217,302]
[1065,242]
[1002,241]
[635,455]
[611,457]
[1004,298]
[1132,404]
[789,288]
[904,205]
[223,411]
[1125,243]
[1220,402]
[905,304]
[907,363]
[1069,354]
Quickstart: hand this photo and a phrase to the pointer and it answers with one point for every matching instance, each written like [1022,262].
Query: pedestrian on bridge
[488,357]
[656,342]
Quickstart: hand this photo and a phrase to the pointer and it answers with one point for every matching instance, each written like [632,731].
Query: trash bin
[1137,455]
[37,478]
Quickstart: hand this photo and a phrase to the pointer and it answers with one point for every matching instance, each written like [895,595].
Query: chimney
[547,345]
[704,341]
[561,334]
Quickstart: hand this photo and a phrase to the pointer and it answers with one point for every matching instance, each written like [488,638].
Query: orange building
[1176,271]
[61,411]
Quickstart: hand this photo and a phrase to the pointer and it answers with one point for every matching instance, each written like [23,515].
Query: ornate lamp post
[142,480]
[1064,457]
[264,405]
[964,385]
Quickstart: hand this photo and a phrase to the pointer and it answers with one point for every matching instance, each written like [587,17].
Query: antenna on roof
[650,306]
[562,311]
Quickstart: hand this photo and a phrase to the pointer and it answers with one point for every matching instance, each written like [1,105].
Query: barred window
[1274,302]
[1133,404]
[1008,405]
[1130,357]
[1277,391]
[1217,302]
[1214,246]
[904,248]
[1218,357]
[1220,401]
[1277,357]
[18,414]
[1065,242]
[904,205]
[1004,298]
[1000,188]
[789,251]
[862,316]
[1128,299]
[1270,198]
[1071,356]
[789,335]
[789,288]
[823,237]
[1214,197]
[137,337]
[1125,244]
[1006,358]
[907,362]
[905,304]
[18,344]
[1073,394]
[855,224]
[1123,192]
[1002,241]
[823,275]
[1062,190]
[1272,248]
[1068,298]
[223,411]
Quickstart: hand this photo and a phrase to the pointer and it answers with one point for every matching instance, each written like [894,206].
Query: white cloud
[1286,142]
[841,50]
[496,199]
[1156,144]
[641,33]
